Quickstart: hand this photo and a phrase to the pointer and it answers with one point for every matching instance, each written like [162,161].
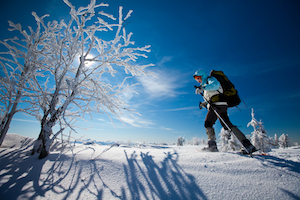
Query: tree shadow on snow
[65,177]
[20,174]
[163,180]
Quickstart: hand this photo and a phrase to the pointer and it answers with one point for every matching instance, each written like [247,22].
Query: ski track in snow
[149,172]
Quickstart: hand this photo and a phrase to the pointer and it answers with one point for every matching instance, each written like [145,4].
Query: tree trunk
[4,129]
[45,143]
[42,144]
[37,145]
[7,119]
[6,122]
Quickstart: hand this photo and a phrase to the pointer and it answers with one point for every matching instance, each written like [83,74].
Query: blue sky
[256,43]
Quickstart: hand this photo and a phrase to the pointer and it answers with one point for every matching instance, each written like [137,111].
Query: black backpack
[230,94]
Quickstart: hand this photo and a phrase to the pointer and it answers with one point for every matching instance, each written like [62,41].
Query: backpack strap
[218,81]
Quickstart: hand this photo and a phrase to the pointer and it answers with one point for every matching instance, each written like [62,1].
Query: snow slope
[148,172]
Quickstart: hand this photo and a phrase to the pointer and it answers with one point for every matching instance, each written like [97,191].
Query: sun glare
[89,63]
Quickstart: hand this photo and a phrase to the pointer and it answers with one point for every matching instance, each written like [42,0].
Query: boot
[210,132]
[249,148]
[212,147]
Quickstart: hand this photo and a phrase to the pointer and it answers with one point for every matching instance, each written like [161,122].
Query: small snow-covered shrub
[284,141]
[228,141]
[259,136]
[180,141]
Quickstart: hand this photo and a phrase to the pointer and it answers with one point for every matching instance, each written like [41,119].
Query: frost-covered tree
[259,136]
[225,137]
[83,86]
[276,144]
[274,141]
[228,141]
[180,141]
[195,141]
[234,143]
[284,141]
[20,65]
[79,65]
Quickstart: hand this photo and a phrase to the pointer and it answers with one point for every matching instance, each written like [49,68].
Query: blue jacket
[210,83]
[212,87]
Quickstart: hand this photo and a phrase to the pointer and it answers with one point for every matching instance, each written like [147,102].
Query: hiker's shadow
[164,180]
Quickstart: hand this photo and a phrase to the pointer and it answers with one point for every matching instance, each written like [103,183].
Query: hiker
[211,88]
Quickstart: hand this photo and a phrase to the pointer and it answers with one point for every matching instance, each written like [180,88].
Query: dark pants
[211,117]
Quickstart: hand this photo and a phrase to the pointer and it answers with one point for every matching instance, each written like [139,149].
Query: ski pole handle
[199,89]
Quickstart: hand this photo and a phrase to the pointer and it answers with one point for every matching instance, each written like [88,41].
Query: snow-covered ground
[148,172]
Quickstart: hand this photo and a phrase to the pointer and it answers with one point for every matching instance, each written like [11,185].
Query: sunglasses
[198,77]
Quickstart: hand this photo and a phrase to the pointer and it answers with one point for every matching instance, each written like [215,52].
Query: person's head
[200,76]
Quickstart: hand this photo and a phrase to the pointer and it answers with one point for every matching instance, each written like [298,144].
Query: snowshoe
[248,148]
[212,147]
[209,149]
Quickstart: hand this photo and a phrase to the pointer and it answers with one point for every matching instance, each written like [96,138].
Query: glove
[202,105]
[199,90]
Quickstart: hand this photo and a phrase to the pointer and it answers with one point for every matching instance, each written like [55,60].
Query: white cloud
[167,129]
[164,83]
[159,86]
[184,108]
[26,120]
[136,121]
[164,60]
